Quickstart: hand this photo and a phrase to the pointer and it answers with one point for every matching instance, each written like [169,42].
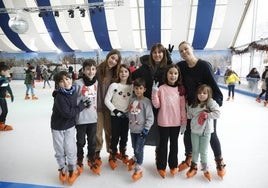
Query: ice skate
[4,127]
[185,164]
[94,167]
[207,175]
[192,171]
[258,99]
[80,166]
[137,175]
[72,176]
[112,161]
[131,164]
[162,173]
[27,97]
[34,97]
[98,160]
[220,167]
[173,171]
[62,175]
[265,103]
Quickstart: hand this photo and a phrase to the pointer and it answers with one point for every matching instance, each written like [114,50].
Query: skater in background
[141,118]
[45,76]
[64,112]
[253,77]
[29,82]
[4,88]
[132,67]
[202,112]
[231,78]
[86,121]
[169,99]
[263,85]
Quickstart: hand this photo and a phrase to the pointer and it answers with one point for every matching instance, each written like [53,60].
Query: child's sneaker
[72,176]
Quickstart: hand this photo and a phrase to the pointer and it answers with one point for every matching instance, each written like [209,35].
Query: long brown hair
[179,80]
[201,88]
[103,67]
[163,62]
[129,77]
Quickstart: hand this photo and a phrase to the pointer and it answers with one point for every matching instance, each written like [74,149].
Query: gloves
[182,129]
[118,113]
[155,86]
[12,98]
[239,82]
[202,117]
[170,48]
[86,102]
[144,133]
[168,54]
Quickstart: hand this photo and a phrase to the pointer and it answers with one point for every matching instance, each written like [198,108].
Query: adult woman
[253,77]
[107,71]
[194,73]
[152,70]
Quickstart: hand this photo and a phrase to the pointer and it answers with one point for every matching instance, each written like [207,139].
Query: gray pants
[64,144]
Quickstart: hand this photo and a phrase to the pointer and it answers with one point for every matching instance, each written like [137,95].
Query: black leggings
[214,140]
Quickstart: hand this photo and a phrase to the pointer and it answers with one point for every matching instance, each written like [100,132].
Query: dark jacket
[201,73]
[65,109]
[148,75]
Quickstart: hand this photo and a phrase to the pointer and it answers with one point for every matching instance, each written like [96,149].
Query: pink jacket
[172,112]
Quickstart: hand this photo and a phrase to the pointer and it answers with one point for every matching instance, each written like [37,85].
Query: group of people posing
[156,102]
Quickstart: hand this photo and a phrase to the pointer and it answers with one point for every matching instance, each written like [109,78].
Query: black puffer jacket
[147,73]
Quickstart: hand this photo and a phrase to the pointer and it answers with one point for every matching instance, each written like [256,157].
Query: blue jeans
[29,87]
[138,146]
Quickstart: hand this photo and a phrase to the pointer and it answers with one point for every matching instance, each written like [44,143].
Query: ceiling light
[56,13]
[71,13]
[82,12]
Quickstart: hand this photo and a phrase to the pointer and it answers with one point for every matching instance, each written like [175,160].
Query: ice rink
[27,155]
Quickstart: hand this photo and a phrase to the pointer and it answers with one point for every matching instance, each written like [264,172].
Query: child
[4,88]
[45,76]
[107,71]
[29,82]
[170,100]
[202,112]
[117,100]
[86,122]
[65,110]
[263,85]
[231,78]
[141,118]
